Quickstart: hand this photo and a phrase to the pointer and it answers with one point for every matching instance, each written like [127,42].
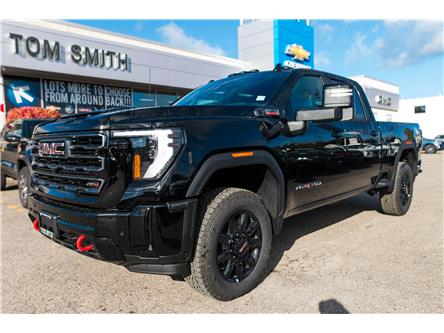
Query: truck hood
[154,117]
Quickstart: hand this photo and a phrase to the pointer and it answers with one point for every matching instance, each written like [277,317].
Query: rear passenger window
[306,94]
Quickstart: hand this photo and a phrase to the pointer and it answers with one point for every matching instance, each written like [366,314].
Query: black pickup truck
[15,154]
[198,189]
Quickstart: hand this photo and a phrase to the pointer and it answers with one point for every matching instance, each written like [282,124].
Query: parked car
[15,154]
[440,138]
[431,146]
[198,190]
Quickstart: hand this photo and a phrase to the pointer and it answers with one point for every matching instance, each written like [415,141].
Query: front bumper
[155,238]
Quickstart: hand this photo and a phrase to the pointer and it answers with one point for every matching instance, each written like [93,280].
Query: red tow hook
[79,245]
[35,223]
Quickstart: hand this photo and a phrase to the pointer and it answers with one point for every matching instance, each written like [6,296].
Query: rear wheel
[24,180]
[233,244]
[430,149]
[3,181]
[398,202]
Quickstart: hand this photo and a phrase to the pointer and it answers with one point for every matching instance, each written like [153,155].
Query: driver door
[315,169]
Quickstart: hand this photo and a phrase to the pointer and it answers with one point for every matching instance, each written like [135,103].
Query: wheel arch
[409,153]
[224,165]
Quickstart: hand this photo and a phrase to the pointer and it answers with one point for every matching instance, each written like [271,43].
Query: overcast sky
[407,53]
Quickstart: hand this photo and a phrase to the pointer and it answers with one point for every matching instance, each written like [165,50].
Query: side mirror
[338,95]
[12,138]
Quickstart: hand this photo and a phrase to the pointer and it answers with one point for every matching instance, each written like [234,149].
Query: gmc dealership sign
[81,55]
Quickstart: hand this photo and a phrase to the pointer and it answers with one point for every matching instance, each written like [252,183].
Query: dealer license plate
[48,224]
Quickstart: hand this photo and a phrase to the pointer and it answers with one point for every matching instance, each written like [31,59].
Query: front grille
[73,162]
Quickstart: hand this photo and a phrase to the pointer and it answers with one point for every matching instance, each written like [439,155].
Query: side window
[12,129]
[17,131]
[359,110]
[306,93]
[7,130]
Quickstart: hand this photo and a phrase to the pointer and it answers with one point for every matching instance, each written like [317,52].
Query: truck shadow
[332,306]
[305,223]
[11,187]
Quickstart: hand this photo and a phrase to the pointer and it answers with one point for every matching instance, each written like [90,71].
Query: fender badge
[308,185]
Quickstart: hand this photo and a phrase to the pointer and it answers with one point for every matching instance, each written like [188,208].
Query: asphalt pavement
[342,258]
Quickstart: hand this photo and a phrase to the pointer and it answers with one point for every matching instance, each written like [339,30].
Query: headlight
[153,151]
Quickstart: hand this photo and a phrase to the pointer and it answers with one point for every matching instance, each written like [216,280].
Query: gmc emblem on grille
[52,148]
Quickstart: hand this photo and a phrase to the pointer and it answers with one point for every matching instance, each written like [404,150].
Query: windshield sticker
[260,98]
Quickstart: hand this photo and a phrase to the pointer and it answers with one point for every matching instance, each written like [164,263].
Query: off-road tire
[215,209]
[392,203]
[23,181]
[3,181]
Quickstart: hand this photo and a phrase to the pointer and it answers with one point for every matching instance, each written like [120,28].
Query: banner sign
[20,92]
[73,97]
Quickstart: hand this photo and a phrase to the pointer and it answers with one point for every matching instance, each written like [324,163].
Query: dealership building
[384,97]
[77,69]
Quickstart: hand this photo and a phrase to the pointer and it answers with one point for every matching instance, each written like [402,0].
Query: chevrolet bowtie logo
[297,52]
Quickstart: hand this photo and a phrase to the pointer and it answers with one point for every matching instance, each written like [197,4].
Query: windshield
[254,89]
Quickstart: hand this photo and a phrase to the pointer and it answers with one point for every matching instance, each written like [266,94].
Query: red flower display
[31,112]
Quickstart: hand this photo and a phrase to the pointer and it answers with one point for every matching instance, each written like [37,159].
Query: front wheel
[398,202]
[233,244]
[24,180]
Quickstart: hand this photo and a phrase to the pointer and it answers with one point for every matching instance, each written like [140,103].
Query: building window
[143,99]
[165,99]
[420,109]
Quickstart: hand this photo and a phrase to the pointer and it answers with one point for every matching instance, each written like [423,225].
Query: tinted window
[245,89]
[14,129]
[307,93]
[17,131]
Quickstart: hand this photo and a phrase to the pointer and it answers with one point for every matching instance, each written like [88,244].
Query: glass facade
[143,99]
[154,98]
[69,97]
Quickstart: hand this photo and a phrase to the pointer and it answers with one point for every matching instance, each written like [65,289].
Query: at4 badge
[308,185]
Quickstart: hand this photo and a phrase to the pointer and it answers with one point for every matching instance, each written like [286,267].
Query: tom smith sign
[81,55]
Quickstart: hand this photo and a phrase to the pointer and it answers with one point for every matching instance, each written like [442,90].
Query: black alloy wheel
[239,246]
[399,200]
[405,189]
[233,243]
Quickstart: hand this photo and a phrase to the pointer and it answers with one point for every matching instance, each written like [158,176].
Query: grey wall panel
[259,51]
[254,28]
[255,41]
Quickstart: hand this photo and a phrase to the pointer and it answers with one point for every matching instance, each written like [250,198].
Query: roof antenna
[277,68]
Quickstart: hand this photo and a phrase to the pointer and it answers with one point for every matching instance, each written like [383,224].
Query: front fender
[227,160]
